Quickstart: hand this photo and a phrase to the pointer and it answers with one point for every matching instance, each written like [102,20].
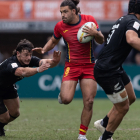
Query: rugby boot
[98,126]
[59,99]
[82,137]
[2,133]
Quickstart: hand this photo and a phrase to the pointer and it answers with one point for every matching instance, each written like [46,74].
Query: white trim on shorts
[116,98]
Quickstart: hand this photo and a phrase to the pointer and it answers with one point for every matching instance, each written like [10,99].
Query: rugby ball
[80,34]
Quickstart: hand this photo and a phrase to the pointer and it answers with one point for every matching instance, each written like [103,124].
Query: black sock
[2,124]
[105,121]
[107,135]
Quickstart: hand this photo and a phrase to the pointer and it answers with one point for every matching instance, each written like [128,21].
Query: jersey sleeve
[92,19]
[57,34]
[34,61]
[11,67]
[133,25]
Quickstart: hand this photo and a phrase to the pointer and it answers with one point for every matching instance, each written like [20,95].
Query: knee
[66,100]
[4,118]
[124,109]
[89,104]
[15,114]
[132,100]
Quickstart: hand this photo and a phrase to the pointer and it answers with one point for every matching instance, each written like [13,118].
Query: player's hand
[39,50]
[90,31]
[56,56]
[44,67]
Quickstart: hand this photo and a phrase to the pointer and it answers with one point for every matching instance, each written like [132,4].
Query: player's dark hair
[72,5]
[23,45]
[134,6]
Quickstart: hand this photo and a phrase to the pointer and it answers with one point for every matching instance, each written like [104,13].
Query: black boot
[2,133]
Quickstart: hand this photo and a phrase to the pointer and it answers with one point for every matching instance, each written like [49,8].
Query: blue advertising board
[48,83]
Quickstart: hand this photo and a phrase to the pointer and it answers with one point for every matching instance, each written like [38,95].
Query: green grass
[47,120]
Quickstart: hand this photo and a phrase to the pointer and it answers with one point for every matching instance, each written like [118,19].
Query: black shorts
[114,83]
[8,93]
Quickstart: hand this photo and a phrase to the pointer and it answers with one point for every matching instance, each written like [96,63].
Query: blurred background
[35,21]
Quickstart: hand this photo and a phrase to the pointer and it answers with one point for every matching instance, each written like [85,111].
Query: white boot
[59,99]
[82,137]
[98,126]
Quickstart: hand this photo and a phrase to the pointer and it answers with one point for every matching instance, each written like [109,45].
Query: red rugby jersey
[76,52]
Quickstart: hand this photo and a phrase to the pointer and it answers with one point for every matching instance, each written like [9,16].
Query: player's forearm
[53,63]
[99,37]
[26,72]
[49,46]
[133,39]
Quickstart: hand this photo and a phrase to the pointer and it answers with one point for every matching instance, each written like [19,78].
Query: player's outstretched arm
[49,46]
[52,62]
[27,72]
[133,39]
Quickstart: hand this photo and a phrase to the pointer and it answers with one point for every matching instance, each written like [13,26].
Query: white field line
[120,129]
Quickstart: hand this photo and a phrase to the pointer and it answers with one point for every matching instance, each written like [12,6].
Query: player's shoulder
[9,63]
[35,58]
[8,60]
[130,18]
[87,17]
[12,61]
[59,24]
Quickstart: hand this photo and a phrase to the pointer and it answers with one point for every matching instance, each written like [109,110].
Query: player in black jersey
[21,64]
[109,73]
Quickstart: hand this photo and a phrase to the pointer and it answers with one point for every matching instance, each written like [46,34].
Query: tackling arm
[52,62]
[49,45]
[27,72]
[133,39]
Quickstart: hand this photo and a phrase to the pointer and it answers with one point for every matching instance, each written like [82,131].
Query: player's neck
[138,16]
[75,19]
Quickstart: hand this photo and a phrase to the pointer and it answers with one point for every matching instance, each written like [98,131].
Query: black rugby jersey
[116,48]
[8,67]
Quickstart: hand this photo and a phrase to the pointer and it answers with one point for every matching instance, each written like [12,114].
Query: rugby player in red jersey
[79,60]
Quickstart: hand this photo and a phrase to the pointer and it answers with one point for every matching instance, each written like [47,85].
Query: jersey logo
[14,65]
[117,87]
[67,71]
[136,25]
[65,31]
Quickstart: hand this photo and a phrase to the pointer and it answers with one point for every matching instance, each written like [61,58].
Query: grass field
[47,120]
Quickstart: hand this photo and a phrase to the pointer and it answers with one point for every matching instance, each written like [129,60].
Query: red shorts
[74,71]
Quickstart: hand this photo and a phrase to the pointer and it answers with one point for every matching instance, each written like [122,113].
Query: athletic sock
[107,135]
[105,121]
[83,129]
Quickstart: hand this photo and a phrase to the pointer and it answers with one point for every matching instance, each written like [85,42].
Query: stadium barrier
[48,83]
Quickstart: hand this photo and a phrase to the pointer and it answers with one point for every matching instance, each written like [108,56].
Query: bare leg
[89,88]
[131,96]
[67,91]
[117,115]
[13,108]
